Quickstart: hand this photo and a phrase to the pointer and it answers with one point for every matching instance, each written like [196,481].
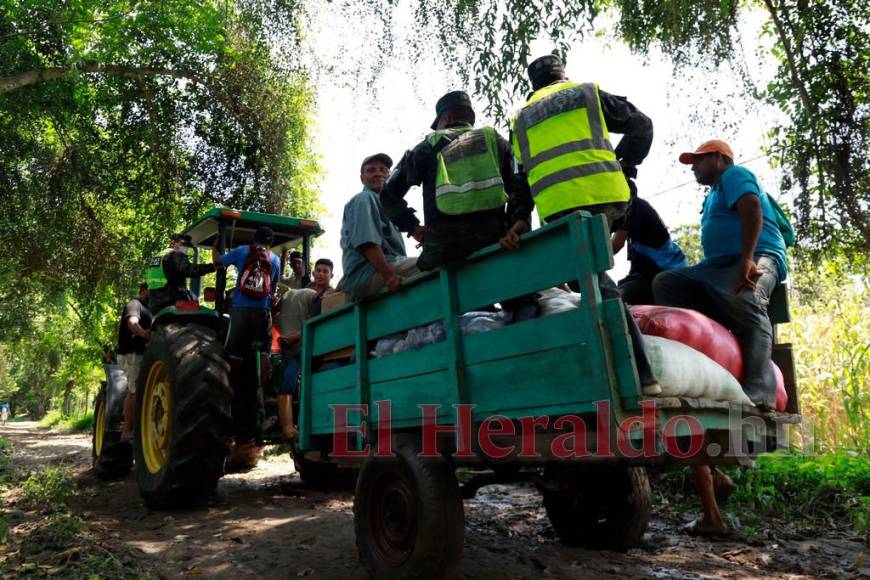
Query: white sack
[685,372]
[554,301]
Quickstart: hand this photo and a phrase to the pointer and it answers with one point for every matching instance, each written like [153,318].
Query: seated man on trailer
[743,235]
[373,252]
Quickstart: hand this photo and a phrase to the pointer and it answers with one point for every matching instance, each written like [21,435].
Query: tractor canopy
[241,225]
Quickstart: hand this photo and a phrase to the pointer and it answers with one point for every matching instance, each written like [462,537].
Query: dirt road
[267,524]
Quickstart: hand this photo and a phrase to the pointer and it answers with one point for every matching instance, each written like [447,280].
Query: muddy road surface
[267,524]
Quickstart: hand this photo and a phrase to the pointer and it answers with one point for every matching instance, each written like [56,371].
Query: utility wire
[692,182]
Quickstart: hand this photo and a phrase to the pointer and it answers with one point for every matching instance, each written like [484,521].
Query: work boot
[243,457]
[285,417]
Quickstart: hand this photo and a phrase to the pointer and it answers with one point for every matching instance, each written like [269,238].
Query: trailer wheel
[599,507]
[182,420]
[111,458]
[408,515]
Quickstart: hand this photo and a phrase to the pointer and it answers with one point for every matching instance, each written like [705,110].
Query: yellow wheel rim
[154,421]
[100,421]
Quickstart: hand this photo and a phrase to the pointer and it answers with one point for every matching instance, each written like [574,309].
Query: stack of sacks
[709,340]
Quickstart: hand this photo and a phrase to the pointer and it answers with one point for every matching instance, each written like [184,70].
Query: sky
[356,118]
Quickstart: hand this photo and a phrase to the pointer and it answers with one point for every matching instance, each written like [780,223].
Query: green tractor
[183,421]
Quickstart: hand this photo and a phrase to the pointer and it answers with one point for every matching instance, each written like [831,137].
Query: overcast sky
[392,114]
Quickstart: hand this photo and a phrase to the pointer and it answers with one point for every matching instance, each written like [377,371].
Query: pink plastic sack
[703,334]
[692,329]
[781,395]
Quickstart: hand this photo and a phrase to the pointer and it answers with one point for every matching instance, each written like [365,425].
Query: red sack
[781,396]
[692,329]
[703,334]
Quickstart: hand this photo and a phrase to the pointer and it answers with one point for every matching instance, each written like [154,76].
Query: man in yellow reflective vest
[469,195]
[561,142]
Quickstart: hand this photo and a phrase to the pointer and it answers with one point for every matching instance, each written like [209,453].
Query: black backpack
[256,277]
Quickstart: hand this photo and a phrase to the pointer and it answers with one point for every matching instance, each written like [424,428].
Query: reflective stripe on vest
[468,178]
[562,141]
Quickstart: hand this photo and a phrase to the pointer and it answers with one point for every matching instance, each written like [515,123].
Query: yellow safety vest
[561,139]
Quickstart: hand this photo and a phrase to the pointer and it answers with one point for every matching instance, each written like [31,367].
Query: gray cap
[449,101]
[382,157]
[541,70]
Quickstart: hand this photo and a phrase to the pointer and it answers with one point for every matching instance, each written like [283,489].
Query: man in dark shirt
[177,268]
[133,333]
[462,209]
[650,250]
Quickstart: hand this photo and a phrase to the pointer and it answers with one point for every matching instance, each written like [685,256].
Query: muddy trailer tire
[183,421]
[408,515]
[599,507]
[111,458]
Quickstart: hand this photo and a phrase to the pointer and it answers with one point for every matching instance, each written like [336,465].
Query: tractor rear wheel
[111,458]
[183,419]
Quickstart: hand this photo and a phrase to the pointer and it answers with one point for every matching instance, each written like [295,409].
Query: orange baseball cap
[712,146]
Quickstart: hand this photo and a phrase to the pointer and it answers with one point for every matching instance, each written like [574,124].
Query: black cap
[449,101]
[264,235]
[382,157]
[184,238]
[294,255]
[541,70]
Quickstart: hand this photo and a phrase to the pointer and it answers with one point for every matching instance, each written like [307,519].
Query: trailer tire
[600,507]
[111,458]
[408,515]
[183,420]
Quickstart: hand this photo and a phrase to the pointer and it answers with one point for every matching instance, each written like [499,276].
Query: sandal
[693,529]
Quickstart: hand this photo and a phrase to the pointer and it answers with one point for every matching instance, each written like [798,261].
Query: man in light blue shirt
[744,260]
[373,252]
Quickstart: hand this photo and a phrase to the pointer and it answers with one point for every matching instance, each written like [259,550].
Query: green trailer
[554,400]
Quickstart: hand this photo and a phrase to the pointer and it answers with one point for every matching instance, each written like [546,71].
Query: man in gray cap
[373,252]
[469,194]
[561,140]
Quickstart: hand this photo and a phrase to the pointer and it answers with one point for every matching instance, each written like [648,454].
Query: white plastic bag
[554,300]
[685,372]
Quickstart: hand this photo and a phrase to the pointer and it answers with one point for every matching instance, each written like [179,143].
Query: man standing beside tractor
[250,322]
[133,333]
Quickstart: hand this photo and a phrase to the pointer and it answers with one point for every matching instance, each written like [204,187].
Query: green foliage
[55,419]
[830,331]
[6,468]
[48,490]
[51,419]
[688,237]
[120,123]
[821,83]
[811,488]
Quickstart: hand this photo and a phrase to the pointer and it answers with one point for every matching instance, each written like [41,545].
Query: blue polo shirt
[720,222]
[237,258]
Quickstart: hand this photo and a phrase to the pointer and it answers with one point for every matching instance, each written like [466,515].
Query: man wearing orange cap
[744,260]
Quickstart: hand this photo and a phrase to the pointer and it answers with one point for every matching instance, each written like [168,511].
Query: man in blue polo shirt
[250,321]
[744,260]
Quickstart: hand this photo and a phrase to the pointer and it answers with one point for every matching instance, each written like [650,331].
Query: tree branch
[33,77]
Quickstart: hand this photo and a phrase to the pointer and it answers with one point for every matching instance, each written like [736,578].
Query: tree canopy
[821,83]
[122,120]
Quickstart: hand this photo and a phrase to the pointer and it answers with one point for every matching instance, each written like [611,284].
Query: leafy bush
[51,419]
[5,459]
[61,422]
[812,488]
[48,490]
